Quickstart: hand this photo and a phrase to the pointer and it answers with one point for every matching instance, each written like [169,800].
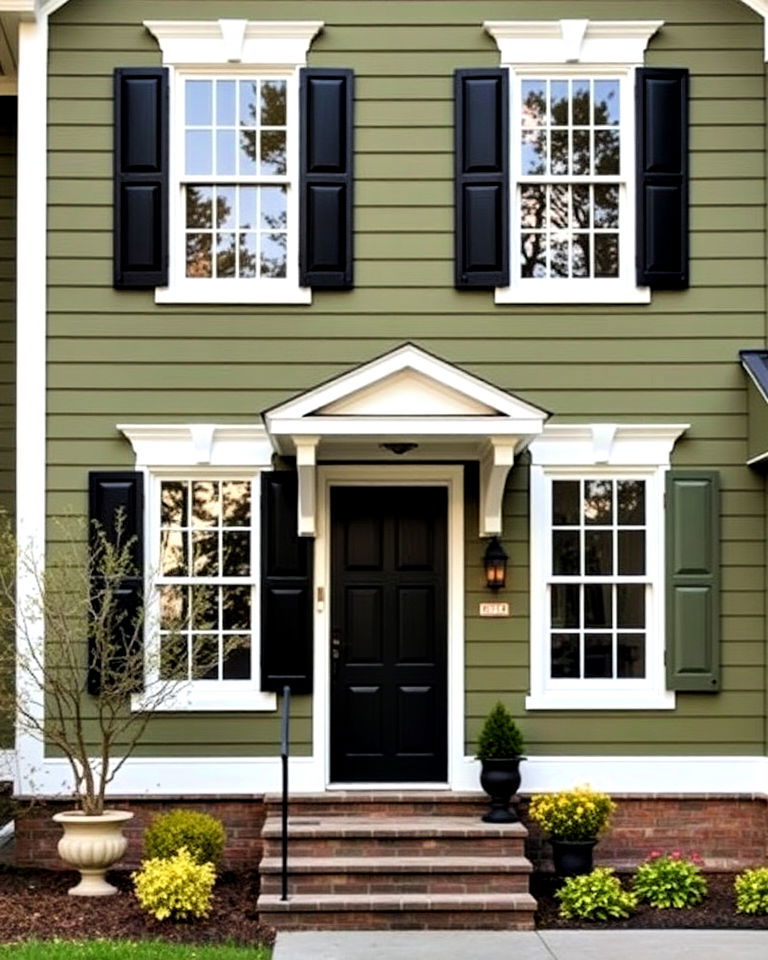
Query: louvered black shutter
[326,184]
[662,178]
[481,128]
[693,580]
[141,177]
[286,591]
[113,494]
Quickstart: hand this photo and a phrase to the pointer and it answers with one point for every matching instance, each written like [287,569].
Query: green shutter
[693,580]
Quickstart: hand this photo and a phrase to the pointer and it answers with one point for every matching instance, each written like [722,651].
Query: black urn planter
[572,858]
[500,779]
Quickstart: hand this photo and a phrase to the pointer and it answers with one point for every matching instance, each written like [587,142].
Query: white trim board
[246,776]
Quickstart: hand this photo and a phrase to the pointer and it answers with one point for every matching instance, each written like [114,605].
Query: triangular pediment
[407,382]
[408,393]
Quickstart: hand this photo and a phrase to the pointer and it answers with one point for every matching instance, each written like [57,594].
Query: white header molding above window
[611,444]
[211,42]
[572,41]
[195,444]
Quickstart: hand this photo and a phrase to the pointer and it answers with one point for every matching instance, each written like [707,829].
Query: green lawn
[126,950]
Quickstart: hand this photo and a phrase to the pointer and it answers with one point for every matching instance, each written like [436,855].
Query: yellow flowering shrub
[577,814]
[178,888]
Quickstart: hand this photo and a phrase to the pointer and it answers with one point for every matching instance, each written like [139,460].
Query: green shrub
[752,891]
[595,896]
[176,888]
[500,736]
[577,814]
[202,835]
[669,880]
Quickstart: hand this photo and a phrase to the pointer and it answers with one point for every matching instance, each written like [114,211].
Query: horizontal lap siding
[116,357]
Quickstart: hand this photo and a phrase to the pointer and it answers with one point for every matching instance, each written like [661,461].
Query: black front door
[389,717]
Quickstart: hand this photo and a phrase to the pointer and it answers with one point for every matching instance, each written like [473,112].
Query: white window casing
[599,451]
[189,452]
[584,50]
[233,50]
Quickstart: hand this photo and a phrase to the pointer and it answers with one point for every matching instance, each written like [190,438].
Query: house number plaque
[494,609]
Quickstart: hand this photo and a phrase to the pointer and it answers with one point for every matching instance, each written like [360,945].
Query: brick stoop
[384,860]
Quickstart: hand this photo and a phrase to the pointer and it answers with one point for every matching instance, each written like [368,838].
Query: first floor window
[206,579]
[598,579]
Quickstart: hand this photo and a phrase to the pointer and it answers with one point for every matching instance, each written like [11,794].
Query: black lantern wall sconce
[495,563]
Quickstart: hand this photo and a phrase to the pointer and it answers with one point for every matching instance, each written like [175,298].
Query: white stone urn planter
[92,844]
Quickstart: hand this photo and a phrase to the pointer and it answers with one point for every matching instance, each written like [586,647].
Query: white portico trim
[407,405]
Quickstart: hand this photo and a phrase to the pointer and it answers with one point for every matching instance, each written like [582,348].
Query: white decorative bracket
[202,441]
[603,435]
[494,467]
[306,462]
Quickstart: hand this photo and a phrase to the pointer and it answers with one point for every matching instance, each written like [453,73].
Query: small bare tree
[92,641]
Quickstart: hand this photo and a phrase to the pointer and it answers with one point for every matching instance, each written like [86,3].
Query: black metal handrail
[284,749]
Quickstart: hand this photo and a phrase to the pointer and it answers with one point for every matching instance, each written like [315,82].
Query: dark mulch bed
[717,911]
[35,904]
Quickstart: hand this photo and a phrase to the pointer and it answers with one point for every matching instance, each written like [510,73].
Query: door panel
[389,634]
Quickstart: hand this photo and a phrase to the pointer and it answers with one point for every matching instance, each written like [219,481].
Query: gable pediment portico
[406,405]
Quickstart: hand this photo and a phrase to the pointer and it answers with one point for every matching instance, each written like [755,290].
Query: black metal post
[284,747]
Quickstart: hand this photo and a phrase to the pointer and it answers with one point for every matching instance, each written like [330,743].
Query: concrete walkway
[544,945]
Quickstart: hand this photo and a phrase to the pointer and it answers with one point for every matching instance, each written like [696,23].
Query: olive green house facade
[331,294]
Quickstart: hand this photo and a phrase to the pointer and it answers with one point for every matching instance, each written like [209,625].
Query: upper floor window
[571,197]
[551,196]
[235,179]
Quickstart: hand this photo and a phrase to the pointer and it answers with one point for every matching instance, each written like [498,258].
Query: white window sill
[601,700]
[572,291]
[225,696]
[233,291]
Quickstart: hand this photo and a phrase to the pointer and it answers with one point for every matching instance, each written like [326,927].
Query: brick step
[379,803]
[394,836]
[497,911]
[424,874]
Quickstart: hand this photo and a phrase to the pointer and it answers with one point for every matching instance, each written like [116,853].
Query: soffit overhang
[412,398]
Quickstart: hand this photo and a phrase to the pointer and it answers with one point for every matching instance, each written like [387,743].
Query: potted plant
[73,690]
[499,750]
[573,819]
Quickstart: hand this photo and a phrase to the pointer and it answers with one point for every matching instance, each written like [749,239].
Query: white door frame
[377,474]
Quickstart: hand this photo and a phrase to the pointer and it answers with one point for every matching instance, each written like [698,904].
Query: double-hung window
[233,210]
[598,566]
[571,192]
[234,180]
[551,171]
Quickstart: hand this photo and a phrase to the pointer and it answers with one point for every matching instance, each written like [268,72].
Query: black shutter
[662,178]
[481,127]
[141,177]
[326,185]
[286,588]
[693,580]
[111,494]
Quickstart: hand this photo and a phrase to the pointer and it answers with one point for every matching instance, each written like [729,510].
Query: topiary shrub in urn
[499,750]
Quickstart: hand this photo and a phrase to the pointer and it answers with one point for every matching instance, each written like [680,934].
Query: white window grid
[584,579]
[567,180]
[236,289]
[159,581]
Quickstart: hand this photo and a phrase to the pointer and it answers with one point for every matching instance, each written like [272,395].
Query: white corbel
[494,467]
[202,441]
[233,35]
[306,461]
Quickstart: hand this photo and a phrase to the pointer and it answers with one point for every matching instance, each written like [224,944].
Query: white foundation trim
[643,775]
[381,475]
[176,776]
